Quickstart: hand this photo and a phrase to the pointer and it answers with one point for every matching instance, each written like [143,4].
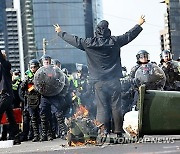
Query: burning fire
[81,111]
[83,143]
[77,144]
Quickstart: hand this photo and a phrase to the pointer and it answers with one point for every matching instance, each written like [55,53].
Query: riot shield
[151,75]
[49,80]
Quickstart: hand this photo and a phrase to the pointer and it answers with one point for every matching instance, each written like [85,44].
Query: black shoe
[3,138]
[54,135]
[16,140]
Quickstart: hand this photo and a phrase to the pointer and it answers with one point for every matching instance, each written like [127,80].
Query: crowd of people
[103,87]
[44,116]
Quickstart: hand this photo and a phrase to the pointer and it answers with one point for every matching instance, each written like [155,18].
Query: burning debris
[81,112]
[82,130]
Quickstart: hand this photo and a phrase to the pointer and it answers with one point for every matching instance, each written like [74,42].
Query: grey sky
[124,14]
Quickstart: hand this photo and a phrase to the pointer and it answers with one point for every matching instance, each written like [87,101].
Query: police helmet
[45,57]
[56,62]
[34,62]
[79,67]
[165,53]
[141,54]
[16,72]
[65,71]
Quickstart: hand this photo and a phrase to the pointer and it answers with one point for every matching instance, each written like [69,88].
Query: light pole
[45,43]
[21,53]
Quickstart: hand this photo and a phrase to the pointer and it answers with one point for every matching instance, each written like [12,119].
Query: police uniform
[32,102]
[171,69]
[172,75]
[49,81]
[15,86]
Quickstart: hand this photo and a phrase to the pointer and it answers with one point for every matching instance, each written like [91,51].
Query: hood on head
[102,29]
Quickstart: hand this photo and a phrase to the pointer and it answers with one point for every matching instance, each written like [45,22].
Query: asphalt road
[149,144]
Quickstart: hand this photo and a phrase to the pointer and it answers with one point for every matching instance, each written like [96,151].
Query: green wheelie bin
[159,112]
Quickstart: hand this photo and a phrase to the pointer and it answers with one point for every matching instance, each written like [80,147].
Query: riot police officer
[142,58]
[56,62]
[146,73]
[45,60]
[32,97]
[80,84]
[51,104]
[171,69]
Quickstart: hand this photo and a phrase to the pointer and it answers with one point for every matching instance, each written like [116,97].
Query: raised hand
[57,28]
[141,20]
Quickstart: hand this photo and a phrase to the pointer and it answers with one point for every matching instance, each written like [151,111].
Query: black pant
[108,99]
[6,106]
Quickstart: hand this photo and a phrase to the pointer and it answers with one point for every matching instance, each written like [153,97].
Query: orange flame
[77,144]
[81,111]
[93,142]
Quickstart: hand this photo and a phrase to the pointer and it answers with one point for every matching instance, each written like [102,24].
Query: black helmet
[45,57]
[34,62]
[65,71]
[165,53]
[56,62]
[142,53]
[79,67]
[16,72]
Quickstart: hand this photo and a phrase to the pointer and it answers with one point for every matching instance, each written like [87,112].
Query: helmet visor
[141,56]
[166,55]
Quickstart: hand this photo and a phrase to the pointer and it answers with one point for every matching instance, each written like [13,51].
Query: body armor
[32,96]
[172,75]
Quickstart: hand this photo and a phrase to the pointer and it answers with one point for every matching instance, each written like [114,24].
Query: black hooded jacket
[5,76]
[103,50]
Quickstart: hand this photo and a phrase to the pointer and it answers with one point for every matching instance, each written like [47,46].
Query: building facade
[171,34]
[3,28]
[78,17]
[2,25]
[12,38]
[9,33]
[29,46]
[174,21]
